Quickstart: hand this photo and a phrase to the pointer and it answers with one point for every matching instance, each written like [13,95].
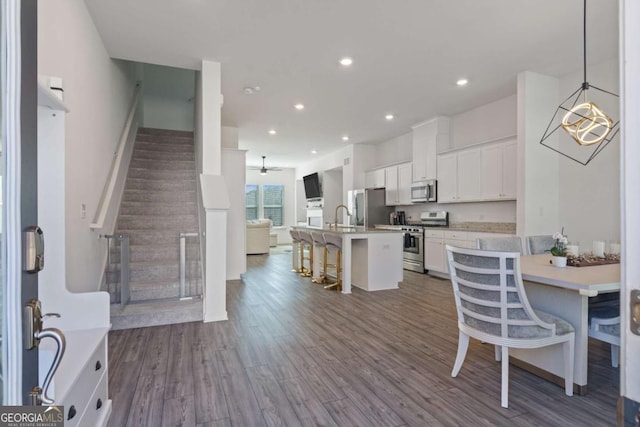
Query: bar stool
[334,241]
[318,240]
[297,246]
[306,240]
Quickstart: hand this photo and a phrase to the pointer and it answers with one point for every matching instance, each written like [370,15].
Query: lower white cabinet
[436,241]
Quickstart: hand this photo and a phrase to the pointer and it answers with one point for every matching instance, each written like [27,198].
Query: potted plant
[559,249]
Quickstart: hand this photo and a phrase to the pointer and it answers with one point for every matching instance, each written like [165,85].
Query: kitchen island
[371,258]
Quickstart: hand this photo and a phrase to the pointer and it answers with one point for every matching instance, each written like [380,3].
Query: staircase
[159,202]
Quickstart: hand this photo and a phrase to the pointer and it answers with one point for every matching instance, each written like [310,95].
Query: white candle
[598,248]
[614,248]
[573,250]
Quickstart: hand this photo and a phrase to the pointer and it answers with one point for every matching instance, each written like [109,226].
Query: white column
[216,205]
[538,193]
[211,97]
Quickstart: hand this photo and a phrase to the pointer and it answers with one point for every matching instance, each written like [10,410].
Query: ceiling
[407,56]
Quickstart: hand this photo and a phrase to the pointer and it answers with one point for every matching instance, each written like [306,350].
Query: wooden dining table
[564,292]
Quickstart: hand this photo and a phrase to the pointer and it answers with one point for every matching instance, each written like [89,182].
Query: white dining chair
[493,307]
[504,244]
[539,244]
[604,325]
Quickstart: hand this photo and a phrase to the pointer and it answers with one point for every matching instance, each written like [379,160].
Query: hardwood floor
[294,354]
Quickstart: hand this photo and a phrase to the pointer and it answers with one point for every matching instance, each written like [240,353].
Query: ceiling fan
[263,170]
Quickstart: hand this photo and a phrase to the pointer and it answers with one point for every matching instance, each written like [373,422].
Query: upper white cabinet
[391,185]
[427,137]
[459,176]
[374,179]
[499,171]
[479,173]
[398,180]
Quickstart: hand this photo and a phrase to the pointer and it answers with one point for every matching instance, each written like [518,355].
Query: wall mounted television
[312,188]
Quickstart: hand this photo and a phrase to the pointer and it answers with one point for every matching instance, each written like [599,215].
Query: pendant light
[263,171]
[582,119]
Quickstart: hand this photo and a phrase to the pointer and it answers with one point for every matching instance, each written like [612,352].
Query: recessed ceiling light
[346,61]
[314,152]
[345,138]
[272,132]
[389,117]
[462,82]
[299,106]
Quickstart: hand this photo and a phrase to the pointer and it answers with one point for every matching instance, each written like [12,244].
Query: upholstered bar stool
[306,240]
[319,242]
[297,252]
[334,241]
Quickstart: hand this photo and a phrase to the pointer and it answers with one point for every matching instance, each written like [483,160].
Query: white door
[630,209]
[19,371]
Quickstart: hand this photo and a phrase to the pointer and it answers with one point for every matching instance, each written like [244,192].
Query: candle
[598,248]
[614,248]
[573,250]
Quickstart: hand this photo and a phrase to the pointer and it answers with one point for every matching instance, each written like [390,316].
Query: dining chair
[505,244]
[492,306]
[539,244]
[604,325]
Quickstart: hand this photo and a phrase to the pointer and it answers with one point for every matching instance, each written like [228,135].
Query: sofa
[258,239]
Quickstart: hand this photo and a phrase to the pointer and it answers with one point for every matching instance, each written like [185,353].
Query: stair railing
[183,269]
[117,173]
[121,293]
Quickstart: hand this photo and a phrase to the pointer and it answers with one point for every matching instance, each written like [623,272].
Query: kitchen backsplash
[489,212]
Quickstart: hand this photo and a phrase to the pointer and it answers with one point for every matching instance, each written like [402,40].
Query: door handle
[57,335]
[34,332]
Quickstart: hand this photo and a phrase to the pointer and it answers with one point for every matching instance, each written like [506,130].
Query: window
[251,203]
[270,205]
[273,203]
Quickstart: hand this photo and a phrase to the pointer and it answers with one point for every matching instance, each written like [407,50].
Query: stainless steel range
[412,253]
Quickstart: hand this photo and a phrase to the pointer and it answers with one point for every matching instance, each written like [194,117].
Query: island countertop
[346,230]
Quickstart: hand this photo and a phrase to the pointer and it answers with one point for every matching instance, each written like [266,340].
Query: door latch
[33,333]
[634,310]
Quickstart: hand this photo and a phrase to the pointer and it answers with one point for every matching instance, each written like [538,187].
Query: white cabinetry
[499,171]
[479,173]
[374,179]
[469,174]
[459,176]
[435,242]
[433,250]
[427,137]
[398,180]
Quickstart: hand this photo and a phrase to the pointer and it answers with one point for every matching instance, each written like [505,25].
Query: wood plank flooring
[293,354]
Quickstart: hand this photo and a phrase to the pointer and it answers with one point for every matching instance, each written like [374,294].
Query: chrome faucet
[335,217]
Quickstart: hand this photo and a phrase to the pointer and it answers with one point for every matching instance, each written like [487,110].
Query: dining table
[564,292]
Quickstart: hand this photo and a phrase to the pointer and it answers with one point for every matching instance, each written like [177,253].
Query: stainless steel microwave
[424,191]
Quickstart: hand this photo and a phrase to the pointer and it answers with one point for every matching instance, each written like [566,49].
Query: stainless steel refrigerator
[367,207]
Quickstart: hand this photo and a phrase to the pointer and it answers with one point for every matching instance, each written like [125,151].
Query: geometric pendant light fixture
[590,129]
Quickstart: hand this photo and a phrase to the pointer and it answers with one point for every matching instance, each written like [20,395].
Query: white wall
[98,91]
[394,151]
[233,166]
[589,196]
[491,121]
[168,95]
[284,177]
